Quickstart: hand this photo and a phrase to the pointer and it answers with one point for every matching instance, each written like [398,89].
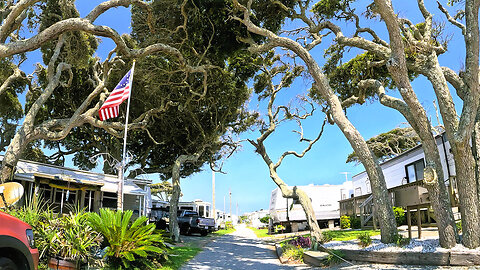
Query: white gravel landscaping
[416,245]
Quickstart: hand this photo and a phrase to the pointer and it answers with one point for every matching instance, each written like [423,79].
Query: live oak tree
[58,36]
[266,88]
[413,50]
[390,144]
[300,45]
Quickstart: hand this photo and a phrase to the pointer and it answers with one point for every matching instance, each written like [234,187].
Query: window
[88,202]
[414,171]
[358,191]
[201,210]
[367,185]
[109,200]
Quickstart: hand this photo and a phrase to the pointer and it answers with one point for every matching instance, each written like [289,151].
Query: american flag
[110,107]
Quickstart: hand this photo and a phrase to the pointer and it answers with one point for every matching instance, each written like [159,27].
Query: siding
[394,168]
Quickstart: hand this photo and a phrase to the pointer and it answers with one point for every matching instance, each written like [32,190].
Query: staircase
[367,211]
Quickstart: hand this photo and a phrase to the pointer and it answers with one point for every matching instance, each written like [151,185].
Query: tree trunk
[437,191]
[293,193]
[467,193]
[462,153]
[414,113]
[13,153]
[476,154]
[173,223]
[309,213]
[381,197]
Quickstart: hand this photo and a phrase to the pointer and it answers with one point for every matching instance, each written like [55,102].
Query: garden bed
[417,252]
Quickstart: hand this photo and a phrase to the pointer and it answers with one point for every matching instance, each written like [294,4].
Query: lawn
[260,232]
[180,255]
[343,235]
[223,231]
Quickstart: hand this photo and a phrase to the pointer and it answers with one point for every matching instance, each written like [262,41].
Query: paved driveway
[239,250]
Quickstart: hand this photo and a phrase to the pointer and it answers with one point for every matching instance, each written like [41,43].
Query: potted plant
[70,240]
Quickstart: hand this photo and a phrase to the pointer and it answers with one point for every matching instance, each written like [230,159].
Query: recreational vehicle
[325,201]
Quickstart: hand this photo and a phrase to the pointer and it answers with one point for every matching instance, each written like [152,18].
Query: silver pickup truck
[190,222]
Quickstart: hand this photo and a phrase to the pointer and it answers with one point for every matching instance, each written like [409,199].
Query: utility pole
[230,192]
[213,197]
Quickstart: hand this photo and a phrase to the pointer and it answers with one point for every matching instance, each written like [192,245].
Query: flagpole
[122,168]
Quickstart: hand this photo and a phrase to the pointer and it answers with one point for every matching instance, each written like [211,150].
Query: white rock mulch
[415,245]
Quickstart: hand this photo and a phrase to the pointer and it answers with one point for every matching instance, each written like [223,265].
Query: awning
[128,188]
[66,178]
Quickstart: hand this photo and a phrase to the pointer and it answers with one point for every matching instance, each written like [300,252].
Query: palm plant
[69,237]
[127,241]
[74,238]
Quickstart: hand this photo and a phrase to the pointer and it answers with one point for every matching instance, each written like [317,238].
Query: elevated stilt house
[404,179]
[62,188]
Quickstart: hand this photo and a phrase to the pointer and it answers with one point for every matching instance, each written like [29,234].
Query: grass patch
[178,256]
[349,235]
[260,232]
[223,231]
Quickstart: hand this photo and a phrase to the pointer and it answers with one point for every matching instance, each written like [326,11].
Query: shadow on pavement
[234,252]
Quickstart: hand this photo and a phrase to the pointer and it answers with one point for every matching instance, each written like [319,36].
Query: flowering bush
[344,222]
[301,241]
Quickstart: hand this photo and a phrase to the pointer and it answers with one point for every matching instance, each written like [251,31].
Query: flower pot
[59,264]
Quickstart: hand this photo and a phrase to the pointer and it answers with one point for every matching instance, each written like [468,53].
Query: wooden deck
[413,197]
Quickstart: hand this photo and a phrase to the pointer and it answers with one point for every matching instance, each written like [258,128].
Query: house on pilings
[404,179]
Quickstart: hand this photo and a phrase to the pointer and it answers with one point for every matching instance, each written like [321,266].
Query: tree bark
[418,119]
[459,138]
[476,153]
[294,193]
[173,222]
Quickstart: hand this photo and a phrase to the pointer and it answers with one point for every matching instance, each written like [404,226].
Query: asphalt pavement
[244,251]
[239,250]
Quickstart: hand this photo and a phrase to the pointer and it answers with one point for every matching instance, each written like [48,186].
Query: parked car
[17,244]
[190,222]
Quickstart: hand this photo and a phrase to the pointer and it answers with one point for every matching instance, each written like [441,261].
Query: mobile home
[61,187]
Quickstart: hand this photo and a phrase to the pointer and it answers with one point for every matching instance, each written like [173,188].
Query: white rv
[324,201]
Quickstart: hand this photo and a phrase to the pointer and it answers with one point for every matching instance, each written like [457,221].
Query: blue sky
[246,173]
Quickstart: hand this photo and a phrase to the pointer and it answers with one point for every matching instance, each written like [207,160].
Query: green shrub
[69,236]
[345,222]
[355,222]
[265,219]
[128,243]
[458,224]
[327,236]
[400,241]
[399,215]
[292,253]
[279,228]
[334,257]
[365,239]
[228,225]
